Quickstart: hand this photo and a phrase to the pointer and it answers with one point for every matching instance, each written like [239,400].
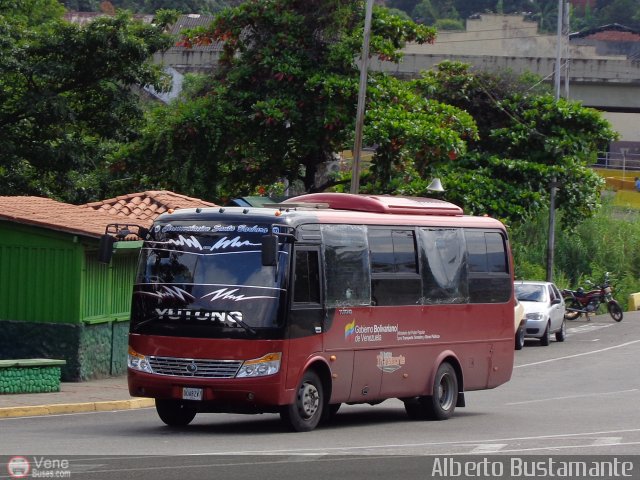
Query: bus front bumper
[246,395]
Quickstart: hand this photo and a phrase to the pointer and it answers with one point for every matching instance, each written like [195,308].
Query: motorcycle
[578,302]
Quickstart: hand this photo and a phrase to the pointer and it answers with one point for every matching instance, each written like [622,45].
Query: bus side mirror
[105,250]
[269,250]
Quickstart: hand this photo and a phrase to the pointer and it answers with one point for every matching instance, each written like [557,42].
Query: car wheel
[562,333]
[545,339]
[520,338]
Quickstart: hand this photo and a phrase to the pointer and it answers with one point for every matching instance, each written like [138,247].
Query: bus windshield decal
[222,244]
[171,293]
[226,294]
[210,228]
[235,242]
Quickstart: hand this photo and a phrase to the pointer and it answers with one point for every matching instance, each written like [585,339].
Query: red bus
[322,300]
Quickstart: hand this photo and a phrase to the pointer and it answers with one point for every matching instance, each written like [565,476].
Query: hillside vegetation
[607,242]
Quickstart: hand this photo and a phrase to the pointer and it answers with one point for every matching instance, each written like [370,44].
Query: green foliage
[526,139]
[412,135]
[449,24]
[204,7]
[30,13]
[607,242]
[66,101]
[284,97]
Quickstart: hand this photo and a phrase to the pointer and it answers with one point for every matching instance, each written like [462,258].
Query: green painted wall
[57,301]
[39,274]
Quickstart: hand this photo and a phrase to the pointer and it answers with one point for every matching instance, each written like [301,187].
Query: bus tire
[306,411]
[174,412]
[442,403]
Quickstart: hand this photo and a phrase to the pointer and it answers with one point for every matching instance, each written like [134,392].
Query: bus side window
[444,268]
[489,277]
[346,256]
[394,267]
[306,285]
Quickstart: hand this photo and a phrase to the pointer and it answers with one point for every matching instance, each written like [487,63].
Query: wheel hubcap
[309,400]
[445,392]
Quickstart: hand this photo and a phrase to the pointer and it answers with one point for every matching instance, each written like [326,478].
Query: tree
[66,99]
[30,13]
[625,12]
[283,101]
[526,138]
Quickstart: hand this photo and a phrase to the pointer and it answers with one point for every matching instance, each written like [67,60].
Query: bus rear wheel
[174,412]
[442,403]
[306,411]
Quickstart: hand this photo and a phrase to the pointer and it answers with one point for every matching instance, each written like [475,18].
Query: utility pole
[362,95]
[558,50]
[553,185]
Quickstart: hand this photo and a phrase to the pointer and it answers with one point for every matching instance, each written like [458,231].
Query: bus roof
[378,204]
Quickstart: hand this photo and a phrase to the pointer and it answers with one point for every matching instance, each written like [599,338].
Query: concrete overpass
[600,75]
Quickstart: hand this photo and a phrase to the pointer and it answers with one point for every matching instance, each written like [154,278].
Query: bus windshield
[207,281]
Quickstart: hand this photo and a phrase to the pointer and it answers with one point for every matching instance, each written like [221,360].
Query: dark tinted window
[396,291]
[306,288]
[489,278]
[392,251]
[477,249]
[496,253]
[394,267]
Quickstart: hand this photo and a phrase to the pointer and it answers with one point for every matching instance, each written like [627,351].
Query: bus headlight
[259,367]
[137,361]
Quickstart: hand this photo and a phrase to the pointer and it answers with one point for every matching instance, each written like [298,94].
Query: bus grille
[188,367]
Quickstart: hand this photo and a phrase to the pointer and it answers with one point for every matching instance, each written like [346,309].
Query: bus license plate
[191,393]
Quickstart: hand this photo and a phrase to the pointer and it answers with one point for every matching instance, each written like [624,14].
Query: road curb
[62,408]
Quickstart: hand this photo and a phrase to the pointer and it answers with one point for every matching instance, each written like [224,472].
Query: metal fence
[618,161]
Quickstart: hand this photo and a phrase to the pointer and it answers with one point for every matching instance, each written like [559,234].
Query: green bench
[31,375]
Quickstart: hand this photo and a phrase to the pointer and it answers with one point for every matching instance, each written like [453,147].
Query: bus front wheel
[174,412]
[306,411]
[442,403]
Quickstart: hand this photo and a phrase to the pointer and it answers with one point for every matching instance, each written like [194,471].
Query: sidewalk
[91,396]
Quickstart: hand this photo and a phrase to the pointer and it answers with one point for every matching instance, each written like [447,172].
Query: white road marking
[361,448]
[549,360]
[587,328]
[604,441]
[567,397]
[489,448]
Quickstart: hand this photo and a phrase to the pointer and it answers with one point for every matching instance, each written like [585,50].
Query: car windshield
[530,293]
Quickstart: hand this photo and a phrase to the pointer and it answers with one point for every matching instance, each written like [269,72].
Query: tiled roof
[190,21]
[144,207]
[47,213]
[91,219]
[614,32]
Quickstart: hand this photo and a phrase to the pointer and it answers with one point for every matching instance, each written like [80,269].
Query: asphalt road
[576,398]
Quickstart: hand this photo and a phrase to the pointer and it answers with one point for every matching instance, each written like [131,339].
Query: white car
[544,310]
[520,325]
